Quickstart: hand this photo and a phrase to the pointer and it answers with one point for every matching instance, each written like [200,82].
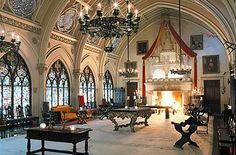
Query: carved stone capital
[100,76]
[42,68]
[76,73]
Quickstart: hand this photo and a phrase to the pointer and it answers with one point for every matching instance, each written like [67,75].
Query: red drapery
[188,51]
[143,80]
[184,47]
[149,52]
[160,33]
[195,72]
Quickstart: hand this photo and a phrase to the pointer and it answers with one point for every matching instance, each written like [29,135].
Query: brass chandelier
[182,69]
[129,70]
[109,27]
[9,46]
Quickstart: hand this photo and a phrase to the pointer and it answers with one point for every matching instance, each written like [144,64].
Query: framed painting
[142,47]
[196,42]
[211,64]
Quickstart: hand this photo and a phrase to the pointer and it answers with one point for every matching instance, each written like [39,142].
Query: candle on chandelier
[129,7]
[13,35]
[18,38]
[136,12]
[81,14]
[115,5]
[99,6]
[2,33]
[86,9]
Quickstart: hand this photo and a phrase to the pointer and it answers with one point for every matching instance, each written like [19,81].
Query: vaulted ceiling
[218,16]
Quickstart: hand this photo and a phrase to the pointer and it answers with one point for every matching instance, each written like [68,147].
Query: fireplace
[168,98]
[169,92]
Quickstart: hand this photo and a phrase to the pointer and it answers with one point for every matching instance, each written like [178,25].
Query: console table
[57,134]
[167,109]
[131,113]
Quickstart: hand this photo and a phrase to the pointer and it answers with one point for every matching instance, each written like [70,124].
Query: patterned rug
[80,121]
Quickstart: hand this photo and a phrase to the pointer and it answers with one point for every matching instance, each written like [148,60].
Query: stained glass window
[15,83]
[107,86]
[57,85]
[87,87]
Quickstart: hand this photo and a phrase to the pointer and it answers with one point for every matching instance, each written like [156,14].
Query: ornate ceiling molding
[92,48]
[63,38]
[19,23]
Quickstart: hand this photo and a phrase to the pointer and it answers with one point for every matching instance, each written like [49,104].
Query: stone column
[75,88]
[2,2]
[41,90]
[100,89]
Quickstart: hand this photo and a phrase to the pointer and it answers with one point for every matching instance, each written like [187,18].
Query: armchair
[49,116]
[68,113]
[104,109]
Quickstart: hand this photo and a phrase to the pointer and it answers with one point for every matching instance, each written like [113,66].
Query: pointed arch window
[57,85]
[15,84]
[88,87]
[107,86]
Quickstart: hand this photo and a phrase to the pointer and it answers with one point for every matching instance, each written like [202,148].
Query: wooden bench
[226,137]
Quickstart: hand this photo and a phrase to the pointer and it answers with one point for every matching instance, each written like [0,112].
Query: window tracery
[57,85]
[88,87]
[107,86]
[15,83]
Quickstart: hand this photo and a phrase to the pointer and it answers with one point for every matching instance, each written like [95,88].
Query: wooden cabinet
[119,97]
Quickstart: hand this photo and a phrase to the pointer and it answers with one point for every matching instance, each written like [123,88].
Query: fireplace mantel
[178,84]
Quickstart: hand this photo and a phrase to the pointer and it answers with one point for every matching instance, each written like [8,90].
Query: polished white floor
[156,139]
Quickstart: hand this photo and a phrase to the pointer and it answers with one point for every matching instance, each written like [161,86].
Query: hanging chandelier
[129,69]
[181,69]
[109,27]
[9,46]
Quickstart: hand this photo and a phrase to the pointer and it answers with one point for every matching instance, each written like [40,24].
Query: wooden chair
[19,111]
[226,137]
[81,102]
[49,116]
[9,112]
[82,107]
[104,109]
[203,120]
[28,112]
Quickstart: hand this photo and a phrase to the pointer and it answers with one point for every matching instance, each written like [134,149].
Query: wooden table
[131,113]
[167,109]
[58,134]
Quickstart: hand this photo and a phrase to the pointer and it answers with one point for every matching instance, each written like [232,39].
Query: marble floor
[156,139]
